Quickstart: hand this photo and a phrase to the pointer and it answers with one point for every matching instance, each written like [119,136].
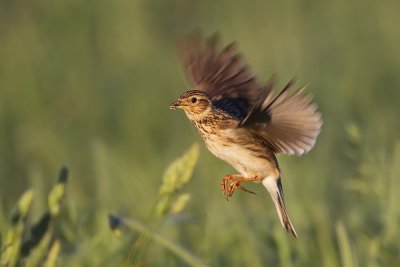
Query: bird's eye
[194,100]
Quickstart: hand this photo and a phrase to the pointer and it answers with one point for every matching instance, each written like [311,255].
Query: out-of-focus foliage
[168,206]
[30,244]
[177,175]
[88,84]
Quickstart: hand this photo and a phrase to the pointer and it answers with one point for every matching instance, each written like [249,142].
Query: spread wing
[223,75]
[289,122]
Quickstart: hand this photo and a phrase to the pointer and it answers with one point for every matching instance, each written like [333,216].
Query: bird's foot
[226,179]
[229,190]
[236,185]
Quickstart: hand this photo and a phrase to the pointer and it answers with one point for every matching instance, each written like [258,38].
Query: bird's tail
[274,187]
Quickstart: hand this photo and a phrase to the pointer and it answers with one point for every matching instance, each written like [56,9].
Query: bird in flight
[243,121]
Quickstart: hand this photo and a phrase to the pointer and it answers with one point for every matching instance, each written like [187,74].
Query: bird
[243,121]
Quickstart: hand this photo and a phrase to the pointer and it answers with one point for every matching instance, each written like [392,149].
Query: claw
[241,188]
[229,190]
[224,184]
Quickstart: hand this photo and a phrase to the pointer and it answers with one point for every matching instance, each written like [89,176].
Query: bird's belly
[247,162]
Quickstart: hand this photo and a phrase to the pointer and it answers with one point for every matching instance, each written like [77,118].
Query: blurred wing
[221,74]
[288,122]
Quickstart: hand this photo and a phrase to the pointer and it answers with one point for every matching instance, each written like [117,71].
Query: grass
[87,84]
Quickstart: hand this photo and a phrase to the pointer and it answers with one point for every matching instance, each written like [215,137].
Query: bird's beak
[175,105]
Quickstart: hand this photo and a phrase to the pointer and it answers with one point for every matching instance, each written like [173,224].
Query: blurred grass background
[87,84]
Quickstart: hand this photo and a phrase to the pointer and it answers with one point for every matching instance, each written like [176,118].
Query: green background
[87,84]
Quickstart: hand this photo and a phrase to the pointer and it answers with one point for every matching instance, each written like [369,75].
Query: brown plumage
[242,121]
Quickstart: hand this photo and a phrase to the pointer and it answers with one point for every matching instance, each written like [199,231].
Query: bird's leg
[228,191]
[226,179]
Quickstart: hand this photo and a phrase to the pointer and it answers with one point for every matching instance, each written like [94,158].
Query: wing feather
[221,74]
[288,122]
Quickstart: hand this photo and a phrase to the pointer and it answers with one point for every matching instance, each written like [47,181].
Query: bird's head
[195,103]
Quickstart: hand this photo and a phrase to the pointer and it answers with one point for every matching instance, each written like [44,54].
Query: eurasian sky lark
[242,121]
